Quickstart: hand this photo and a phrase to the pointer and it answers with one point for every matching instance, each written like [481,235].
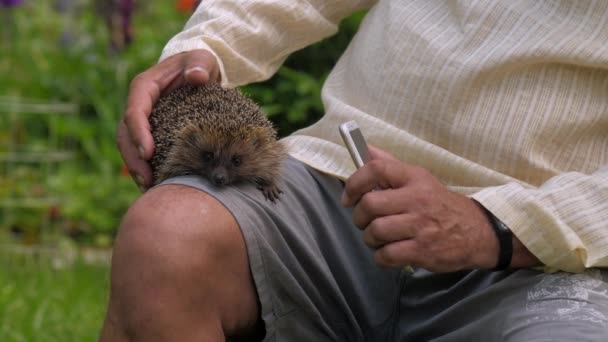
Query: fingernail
[142,152]
[203,74]
[140,181]
[196,68]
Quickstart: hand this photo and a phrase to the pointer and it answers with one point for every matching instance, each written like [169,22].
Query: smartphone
[355,142]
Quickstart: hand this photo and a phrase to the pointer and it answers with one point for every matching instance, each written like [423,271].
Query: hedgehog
[217,133]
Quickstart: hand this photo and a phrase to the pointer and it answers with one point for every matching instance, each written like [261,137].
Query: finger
[398,254]
[378,173]
[388,229]
[376,204]
[200,67]
[138,168]
[376,153]
[144,91]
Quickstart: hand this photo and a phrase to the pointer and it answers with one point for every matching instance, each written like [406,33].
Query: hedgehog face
[219,165]
[222,157]
[215,133]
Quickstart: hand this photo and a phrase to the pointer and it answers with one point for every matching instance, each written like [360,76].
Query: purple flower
[63,6]
[117,16]
[10,3]
[126,12]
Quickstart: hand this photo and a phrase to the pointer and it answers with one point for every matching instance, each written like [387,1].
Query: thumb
[376,153]
[200,67]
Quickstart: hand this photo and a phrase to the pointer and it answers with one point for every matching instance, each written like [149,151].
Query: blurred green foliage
[43,303]
[56,53]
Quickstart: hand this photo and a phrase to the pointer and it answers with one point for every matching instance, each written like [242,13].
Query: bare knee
[179,224]
[179,269]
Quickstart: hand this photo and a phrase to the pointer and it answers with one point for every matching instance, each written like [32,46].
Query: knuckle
[128,116]
[377,166]
[374,226]
[204,53]
[120,136]
[424,243]
[378,228]
[204,57]
[349,188]
[388,255]
[138,80]
[423,197]
[420,171]
[374,230]
[368,203]
[429,191]
[358,219]
[425,192]
[416,220]
[370,240]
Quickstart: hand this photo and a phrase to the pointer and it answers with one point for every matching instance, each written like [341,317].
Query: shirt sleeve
[252,38]
[564,222]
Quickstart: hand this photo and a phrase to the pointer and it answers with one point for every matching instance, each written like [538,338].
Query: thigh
[521,305]
[315,278]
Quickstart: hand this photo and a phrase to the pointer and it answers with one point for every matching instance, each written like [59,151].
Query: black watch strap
[505,240]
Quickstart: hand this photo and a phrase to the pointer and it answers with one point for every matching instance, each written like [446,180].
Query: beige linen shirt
[505,101]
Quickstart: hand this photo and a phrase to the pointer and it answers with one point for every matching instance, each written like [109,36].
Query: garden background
[65,68]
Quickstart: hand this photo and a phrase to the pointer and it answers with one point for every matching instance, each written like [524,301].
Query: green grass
[39,302]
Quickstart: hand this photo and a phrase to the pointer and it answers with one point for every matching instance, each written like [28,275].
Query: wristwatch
[505,239]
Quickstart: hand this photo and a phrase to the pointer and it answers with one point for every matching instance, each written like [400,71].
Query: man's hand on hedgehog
[134,138]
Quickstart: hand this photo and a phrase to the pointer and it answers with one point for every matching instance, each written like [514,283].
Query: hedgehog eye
[236,161]
[207,156]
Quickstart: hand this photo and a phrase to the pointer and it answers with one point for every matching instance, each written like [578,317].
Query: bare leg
[179,271]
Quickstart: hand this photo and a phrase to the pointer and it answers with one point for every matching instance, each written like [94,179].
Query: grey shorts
[317,281]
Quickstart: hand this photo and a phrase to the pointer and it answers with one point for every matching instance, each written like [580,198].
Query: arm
[416,220]
[252,38]
[564,222]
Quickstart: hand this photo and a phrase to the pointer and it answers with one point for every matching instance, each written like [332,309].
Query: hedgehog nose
[219,179]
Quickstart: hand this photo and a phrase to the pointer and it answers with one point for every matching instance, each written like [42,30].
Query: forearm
[251,39]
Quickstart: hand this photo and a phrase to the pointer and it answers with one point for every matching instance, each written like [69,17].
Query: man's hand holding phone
[413,219]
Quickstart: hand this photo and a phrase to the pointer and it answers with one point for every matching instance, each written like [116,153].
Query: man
[490,124]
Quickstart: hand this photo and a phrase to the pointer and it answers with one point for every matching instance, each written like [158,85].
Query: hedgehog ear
[252,137]
[189,135]
[256,138]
